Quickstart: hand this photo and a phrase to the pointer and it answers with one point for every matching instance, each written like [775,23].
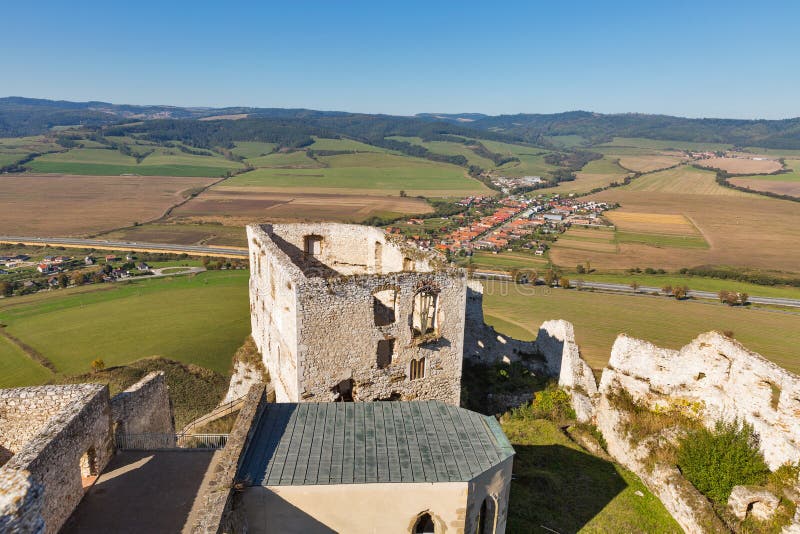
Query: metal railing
[160,441]
[220,411]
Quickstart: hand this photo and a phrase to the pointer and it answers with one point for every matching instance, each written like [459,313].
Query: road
[199,250]
[192,250]
[623,288]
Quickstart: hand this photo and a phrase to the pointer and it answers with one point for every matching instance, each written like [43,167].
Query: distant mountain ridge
[20,116]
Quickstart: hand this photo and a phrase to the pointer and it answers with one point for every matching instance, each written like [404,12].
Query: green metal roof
[366,442]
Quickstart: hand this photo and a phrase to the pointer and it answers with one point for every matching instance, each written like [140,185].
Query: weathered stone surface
[144,407]
[314,316]
[730,382]
[752,500]
[20,503]
[244,377]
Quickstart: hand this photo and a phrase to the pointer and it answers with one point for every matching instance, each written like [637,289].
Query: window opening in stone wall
[486,519]
[424,525]
[312,245]
[88,466]
[343,391]
[424,313]
[417,369]
[408,264]
[383,307]
[384,353]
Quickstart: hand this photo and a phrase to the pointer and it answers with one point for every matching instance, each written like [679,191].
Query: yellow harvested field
[771,186]
[742,165]
[566,243]
[744,230]
[661,223]
[649,163]
[684,180]
[595,234]
[65,205]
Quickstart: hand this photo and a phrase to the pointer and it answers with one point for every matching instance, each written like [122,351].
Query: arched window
[486,519]
[423,318]
[424,524]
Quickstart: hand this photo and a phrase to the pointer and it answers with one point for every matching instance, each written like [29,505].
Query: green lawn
[17,369]
[694,282]
[560,486]
[365,171]
[662,240]
[605,165]
[508,260]
[194,319]
[600,317]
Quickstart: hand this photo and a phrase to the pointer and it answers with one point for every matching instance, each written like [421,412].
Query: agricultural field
[650,162]
[182,234]
[253,149]
[285,160]
[366,173]
[684,179]
[742,165]
[599,317]
[587,239]
[17,368]
[449,148]
[740,229]
[531,159]
[239,206]
[505,261]
[596,173]
[787,183]
[108,162]
[81,205]
[199,319]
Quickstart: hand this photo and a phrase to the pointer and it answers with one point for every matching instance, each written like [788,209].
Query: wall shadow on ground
[559,488]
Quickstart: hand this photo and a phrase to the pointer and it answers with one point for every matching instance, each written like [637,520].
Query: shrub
[717,460]
[98,365]
[551,403]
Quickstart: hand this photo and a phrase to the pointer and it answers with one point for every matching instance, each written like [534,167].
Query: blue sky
[697,59]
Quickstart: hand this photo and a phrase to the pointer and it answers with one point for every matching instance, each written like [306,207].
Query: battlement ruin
[347,312]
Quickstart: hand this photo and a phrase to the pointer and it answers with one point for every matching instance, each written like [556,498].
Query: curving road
[192,250]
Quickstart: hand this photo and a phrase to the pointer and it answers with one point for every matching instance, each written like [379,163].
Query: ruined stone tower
[346,312]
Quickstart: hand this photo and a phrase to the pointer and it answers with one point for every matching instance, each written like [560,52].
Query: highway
[192,250]
[623,288]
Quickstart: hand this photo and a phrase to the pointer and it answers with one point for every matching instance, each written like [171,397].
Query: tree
[680,293]
[580,269]
[98,365]
[588,266]
[549,277]
[403,193]
[635,286]
[514,273]
[6,288]
[667,290]
[78,278]
[63,280]
[723,295]
[744,298]
[564,282]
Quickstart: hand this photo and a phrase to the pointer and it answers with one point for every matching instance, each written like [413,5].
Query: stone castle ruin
[346,312]
[54,440]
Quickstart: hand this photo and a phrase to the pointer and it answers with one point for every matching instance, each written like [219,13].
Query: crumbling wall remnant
[144,407]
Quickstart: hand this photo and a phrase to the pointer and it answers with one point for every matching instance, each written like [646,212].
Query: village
[494,224]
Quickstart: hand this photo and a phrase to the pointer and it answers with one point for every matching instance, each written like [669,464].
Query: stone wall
[144,407]
[729,380]
[314,318]
[24,412]
[554,353]
[20,503]
[215,510]
[79,433]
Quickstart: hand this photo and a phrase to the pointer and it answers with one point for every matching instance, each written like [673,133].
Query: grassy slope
[194,391]
[253,149]
[195,319]
[17,369]
[599,318]
[321,143]
[450,149]
[560,486]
